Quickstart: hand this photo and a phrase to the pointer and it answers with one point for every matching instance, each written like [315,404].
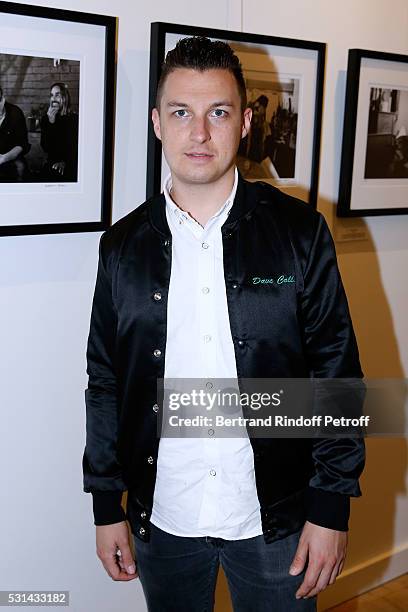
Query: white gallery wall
[46,287]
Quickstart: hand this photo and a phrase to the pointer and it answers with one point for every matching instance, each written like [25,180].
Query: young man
[13,142]
[59,136]
[175,298]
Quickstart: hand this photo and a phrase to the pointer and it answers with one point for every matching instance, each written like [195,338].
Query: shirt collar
[172,206]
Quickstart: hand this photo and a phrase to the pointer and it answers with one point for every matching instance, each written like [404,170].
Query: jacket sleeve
[101,470]
[21,133]
[45,136]
[331,350]
[19,127]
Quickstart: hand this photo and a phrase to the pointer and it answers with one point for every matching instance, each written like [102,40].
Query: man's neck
[202,201]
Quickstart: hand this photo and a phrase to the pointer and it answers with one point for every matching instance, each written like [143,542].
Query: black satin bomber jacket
[301,332]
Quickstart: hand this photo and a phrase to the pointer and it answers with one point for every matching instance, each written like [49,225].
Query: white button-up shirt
[204,486]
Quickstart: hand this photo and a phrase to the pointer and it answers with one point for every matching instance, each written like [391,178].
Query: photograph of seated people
[59,137]
[39,119]
[269,150]
[13,142]
[387,140]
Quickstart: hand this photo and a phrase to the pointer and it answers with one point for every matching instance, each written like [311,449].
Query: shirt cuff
[107,507]
[328,509]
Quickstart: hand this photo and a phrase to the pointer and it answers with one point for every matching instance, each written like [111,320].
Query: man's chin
[199,176]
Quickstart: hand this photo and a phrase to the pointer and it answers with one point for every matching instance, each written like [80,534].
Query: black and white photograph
[57,94]
[39,114]
[374,159]
[269,150]
[284,86]
[387,138]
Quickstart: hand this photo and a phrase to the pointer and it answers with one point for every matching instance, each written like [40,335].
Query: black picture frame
[306,51]
[371,178]
[82,203]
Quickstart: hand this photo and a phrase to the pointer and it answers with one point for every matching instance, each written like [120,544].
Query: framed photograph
[284,81]
[57,83]
[374,161]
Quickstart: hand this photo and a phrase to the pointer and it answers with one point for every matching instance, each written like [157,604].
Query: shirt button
[157,352]
[234,286]
[205,290]
[142,531]
[205,245]
[166,243]
[155,407]
[157,296]
[241,342]
[143,515]
[213,472]
[150,460]
[207,338]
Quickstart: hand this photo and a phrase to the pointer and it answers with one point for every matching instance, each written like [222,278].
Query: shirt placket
[207,313]
[203,246]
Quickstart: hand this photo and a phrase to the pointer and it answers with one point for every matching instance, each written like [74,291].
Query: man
[398,168]
[59,136]
[259,130]
[175,298]
[13,142]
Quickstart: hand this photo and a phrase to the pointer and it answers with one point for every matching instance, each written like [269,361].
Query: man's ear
[246,122]
[156,123]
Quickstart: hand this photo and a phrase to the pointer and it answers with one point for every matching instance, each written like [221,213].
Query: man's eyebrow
[173,103]
[222,103]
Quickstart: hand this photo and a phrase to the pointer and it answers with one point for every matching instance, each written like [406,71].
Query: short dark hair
[202,53]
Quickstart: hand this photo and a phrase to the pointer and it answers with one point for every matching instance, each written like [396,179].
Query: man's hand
[326,550]
[52,112]
[59,167]
[10,155]
[112,548]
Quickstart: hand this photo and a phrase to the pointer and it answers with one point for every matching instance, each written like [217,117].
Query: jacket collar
[243,204]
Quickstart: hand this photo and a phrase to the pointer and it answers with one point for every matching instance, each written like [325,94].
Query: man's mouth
[199,155]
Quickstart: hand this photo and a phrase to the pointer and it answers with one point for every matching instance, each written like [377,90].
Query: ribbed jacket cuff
[107,507]
[328,509]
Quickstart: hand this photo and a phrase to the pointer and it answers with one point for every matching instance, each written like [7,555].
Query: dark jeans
[179,574]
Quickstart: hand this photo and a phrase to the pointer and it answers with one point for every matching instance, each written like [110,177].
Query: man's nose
[199,130]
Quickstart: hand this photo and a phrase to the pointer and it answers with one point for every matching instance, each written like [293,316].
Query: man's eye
[181,113]
[218,112]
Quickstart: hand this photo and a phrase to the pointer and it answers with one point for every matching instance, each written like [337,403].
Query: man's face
[56,100]
[257,108]
[200,123]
